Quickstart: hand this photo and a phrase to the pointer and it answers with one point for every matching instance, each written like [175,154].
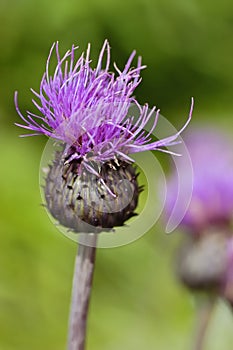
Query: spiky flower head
[87,109]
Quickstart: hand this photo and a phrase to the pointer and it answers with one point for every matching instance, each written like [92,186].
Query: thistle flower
[91,184]
[203,260]
[205,257]
[212,197]
[87,110]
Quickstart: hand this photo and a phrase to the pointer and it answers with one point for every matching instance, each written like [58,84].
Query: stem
[82,283]
[204,313]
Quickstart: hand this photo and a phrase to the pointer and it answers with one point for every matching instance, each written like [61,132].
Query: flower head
[212,197]
[87,108]
[206,255]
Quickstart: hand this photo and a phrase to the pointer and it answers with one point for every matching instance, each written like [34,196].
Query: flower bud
[85,202]
[202,262]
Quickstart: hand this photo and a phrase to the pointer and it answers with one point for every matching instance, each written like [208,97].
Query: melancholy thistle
[209,215]
[87,110]
[91,184]
[205,260]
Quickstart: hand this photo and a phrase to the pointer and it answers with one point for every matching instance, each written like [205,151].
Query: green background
[136,301]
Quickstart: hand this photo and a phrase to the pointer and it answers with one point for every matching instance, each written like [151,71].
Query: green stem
[204,313]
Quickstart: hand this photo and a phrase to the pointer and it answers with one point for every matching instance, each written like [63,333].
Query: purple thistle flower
[212,198]
[91,185]
[206,254]
[88,108]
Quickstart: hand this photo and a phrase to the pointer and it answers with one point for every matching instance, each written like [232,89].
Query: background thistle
[205,256]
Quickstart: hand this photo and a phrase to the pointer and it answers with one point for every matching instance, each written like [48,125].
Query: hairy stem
[82,283]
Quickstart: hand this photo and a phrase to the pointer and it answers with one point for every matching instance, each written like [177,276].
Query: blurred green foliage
[136,302]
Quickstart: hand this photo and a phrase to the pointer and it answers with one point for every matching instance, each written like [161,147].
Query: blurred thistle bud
[203,260]
[91,184]
[227,290]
